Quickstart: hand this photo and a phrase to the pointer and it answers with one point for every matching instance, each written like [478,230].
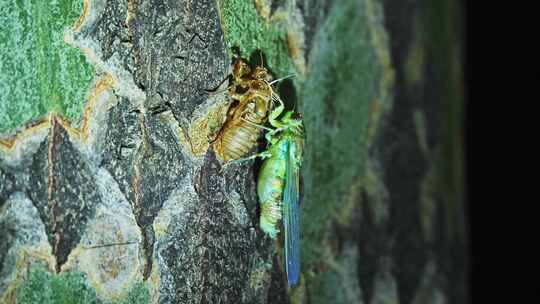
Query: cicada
[252,93]
[278,185]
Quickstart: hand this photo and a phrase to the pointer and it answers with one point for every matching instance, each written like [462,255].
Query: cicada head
[293,122]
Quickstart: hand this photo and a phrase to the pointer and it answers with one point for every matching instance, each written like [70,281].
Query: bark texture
[130,204]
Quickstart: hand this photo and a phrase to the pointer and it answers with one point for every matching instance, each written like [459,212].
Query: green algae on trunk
[246,30]
[39,71]
[44,287]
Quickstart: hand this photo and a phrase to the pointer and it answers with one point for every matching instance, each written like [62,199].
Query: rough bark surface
[131,205]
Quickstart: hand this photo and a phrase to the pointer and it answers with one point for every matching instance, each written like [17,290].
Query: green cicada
[278,184]
[278,187]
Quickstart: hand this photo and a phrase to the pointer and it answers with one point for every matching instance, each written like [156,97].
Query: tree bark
[130,204]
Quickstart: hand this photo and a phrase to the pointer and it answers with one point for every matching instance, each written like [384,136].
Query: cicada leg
[273,117]
[262,155]
[275,97]
[269,136]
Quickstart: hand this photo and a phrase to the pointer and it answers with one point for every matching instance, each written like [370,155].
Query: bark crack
[53,204]
[148,242]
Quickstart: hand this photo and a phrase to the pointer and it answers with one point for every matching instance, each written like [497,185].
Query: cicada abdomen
[270,186]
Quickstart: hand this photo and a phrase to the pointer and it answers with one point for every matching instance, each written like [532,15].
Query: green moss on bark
[39,72]
[43,287]
[138,294]
[246,30]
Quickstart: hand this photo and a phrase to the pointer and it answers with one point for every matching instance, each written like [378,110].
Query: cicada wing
[291,218]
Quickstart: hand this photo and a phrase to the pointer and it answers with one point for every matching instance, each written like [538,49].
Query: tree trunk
[111,191]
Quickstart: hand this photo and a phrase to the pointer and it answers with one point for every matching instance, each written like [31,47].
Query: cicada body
[278,188]
[252,94]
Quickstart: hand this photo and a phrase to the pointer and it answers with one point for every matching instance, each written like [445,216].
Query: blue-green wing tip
[291,221]
[293,273]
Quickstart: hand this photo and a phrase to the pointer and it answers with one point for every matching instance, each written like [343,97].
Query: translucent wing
[291,219]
